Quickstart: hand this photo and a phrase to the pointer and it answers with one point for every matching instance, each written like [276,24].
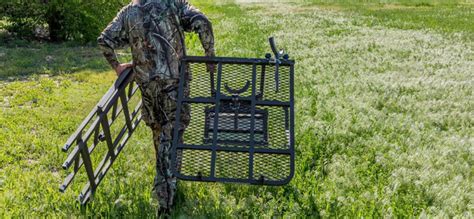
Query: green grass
[384,123]
[449,19]
[442,16]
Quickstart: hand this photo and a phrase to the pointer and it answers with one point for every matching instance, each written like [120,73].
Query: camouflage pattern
[154,29]
[159,111]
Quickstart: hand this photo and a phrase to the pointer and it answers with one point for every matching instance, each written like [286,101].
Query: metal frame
[217,98]
[84,144]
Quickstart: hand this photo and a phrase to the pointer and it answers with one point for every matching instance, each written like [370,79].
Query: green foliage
[383,126]
[78,20]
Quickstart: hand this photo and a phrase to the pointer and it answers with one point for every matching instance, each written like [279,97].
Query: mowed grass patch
[384,122]
[444,19]
[20,59]
[453,17]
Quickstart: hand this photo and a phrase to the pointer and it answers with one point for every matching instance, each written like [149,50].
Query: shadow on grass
[20,59]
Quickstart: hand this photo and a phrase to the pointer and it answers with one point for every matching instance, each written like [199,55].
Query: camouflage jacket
[154,29]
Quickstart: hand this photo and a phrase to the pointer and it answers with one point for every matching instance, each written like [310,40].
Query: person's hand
[121,67]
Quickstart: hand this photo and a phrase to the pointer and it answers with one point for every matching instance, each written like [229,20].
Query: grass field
[384,125]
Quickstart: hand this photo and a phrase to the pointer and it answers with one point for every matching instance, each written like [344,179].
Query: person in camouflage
[154,29]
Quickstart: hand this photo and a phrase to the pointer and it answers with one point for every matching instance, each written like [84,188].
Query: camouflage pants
[158,111]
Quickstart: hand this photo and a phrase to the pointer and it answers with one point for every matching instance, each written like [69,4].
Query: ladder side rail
[125,75]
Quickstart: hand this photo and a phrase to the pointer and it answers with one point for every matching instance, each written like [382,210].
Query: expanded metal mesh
[241,127]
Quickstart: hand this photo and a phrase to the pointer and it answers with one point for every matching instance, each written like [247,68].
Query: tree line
[57,20]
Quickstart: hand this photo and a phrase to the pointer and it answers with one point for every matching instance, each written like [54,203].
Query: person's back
[154,29]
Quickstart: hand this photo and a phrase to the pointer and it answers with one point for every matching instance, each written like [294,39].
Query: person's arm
[113,37]
[193,20]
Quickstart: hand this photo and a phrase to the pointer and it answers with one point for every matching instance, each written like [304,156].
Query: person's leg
[165,181]
[152,115]
[165,185]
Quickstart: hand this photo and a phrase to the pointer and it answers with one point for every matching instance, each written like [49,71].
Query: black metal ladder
[96,128]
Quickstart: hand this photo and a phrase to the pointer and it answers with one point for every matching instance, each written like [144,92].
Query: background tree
[79,20]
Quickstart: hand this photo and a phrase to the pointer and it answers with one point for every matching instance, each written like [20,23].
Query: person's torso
[156,39]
